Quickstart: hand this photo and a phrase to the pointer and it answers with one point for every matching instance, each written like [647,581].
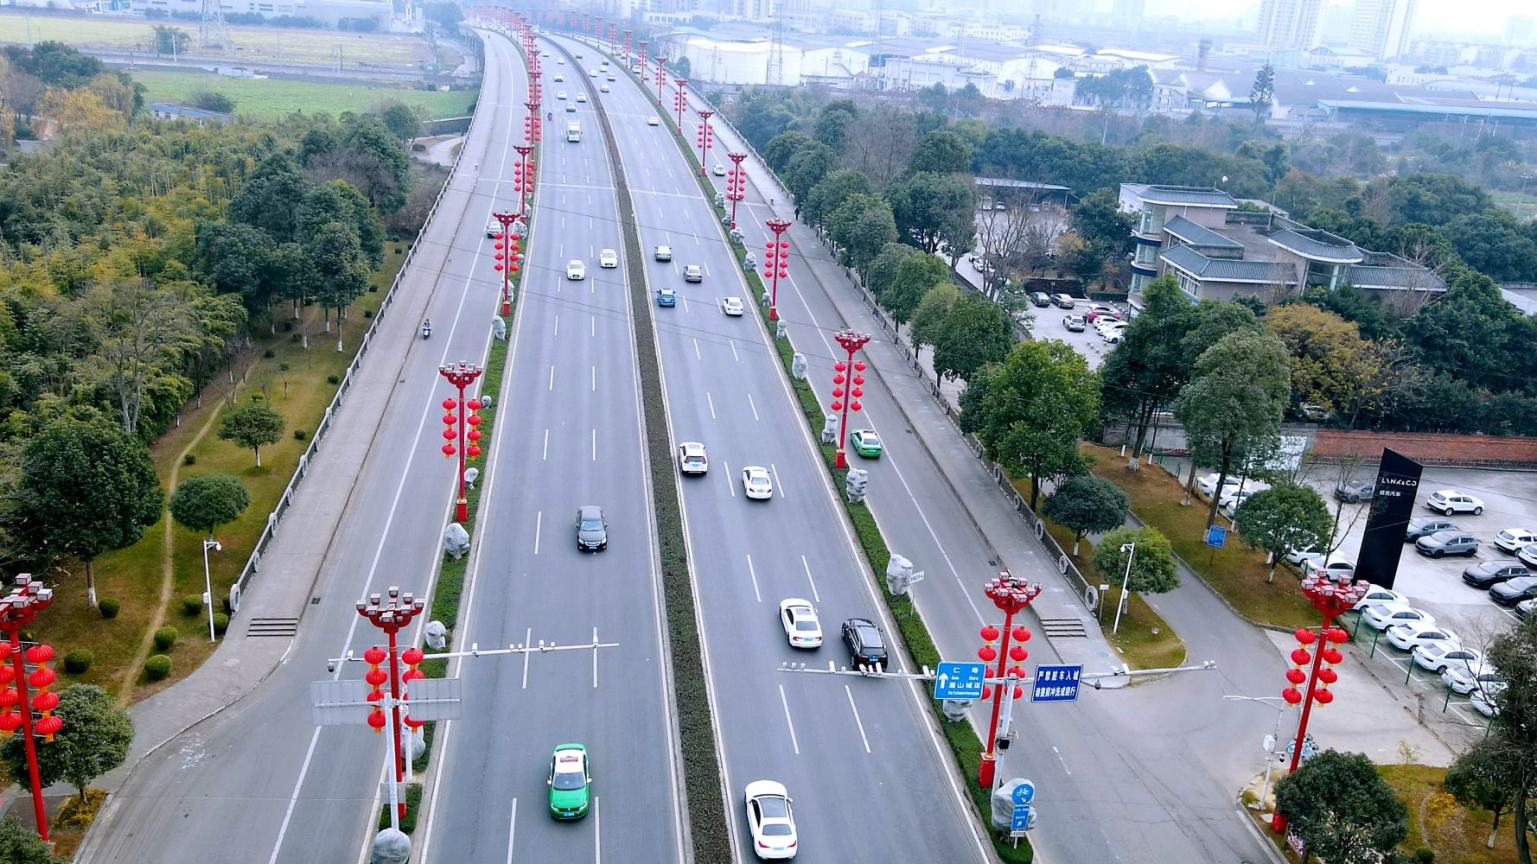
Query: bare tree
[143,333]
[879,143]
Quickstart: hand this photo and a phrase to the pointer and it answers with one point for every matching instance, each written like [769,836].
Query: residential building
[1217,248]
[198,116]
[1381,27]
[1289,24]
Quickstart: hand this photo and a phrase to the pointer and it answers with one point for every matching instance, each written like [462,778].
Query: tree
[1262,94]
[883,270]
[974,332]
[1233,404]
[1099,221]
[93,741]
[916,274]
[55,64]
[253,424]
[1030,410]
[236,257]
[143,335]
[942,151]
[932,310]
[210,100]
[1493,243]
[1284,517]
[1341,808]
[404,121]
[830,193]
[807,168]
[1465,332]
[1146,370]
[862,227]
[833,122]
[1153,570]
[271,198]
[1086,503]
[19,845]
[936,209]
[86,487]
[783,147]
[1482,777]
[207,501]
[339,274]
[1329,359]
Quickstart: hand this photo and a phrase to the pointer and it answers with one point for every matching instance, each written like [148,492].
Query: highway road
[870,780]
[259,783]
[570,435]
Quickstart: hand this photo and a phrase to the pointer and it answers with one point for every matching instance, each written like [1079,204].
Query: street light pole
[1011,595]
[390,616]
[507,242]
[680,100]
[846,399]
[209,543]
[461,375]
[736,182]
[705,136]
[18,610]
[777,260]
[1131,552]
[642,45]
[661,78]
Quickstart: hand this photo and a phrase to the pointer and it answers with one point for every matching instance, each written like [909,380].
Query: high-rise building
[1381,27]
[1519,30]
[1291,24]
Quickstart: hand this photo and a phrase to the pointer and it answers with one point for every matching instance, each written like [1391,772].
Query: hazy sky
[1474,17]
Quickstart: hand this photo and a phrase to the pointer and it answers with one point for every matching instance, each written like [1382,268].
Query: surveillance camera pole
[209,543]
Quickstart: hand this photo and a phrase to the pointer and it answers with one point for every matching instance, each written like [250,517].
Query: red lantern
[41,677]
[376,720]
[987,691]
[837,405]
[1018,654]
[412,656]
[448,404]
[1323,697]
[1305,636]
[10,721]
[1333,655]
[1301,657]
[989,633]
[1292,695]
[448,450]
[39,654]
[987,653]
[1021,634]
[376,677]
[1338,635]
[9,697]
[49,726]
[1019,692]
[1328,676]
[855,406]
[45,701]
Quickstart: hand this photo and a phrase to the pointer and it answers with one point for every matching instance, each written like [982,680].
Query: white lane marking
[551,385]
[594,659]
[696,350]
[730,486]
[512,829]
[779,488]
[857,721]
[753,405]
[788,722]
[546,456]
[595,445]
[807,567]
[294,798]
[556,333]
[711,402]
[597,824]
[751,571]
[733,351]
[538,527]
[685,303]
[592,330]
[1064,761]
[528,639]
[595,379]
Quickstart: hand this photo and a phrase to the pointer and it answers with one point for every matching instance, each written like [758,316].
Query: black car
[866,642]
[1513,591]
[1356,492]
[591,529]
[1490,573]
[1426,526]
[1040,298]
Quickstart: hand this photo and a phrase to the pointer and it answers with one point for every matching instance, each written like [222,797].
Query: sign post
[1023,816]
[1216,538]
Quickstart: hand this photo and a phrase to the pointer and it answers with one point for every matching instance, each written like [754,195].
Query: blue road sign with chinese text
[1056,683]
[1019,819]
[959,681]
[1216,536]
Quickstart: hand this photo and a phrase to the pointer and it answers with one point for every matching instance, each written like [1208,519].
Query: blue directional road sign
[1056,683]
[1216,536]
[1019,818]
[1024,793]
[959,681]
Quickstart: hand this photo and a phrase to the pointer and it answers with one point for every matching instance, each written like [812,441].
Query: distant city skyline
[1482,18]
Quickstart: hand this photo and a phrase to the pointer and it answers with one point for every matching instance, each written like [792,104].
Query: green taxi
[866,443]
[570,782]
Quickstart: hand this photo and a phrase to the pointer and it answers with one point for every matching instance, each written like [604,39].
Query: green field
[274,44]
[272,97]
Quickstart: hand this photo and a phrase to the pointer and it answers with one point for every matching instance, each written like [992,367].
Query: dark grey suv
[591,529]
[1424,527]
[866,643]
[1443,543]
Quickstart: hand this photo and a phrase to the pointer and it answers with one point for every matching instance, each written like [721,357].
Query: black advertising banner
[1398,480]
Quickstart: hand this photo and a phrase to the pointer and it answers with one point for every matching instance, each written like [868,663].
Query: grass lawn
[274,97]
[1237,572]
[249,44]
[134,575]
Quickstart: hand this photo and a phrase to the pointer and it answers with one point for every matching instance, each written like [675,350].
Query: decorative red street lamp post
[461,375]
[680,99]
[851,341]
[736,183]
[627,47]
[661,79]
[17,610]
[642,44]
[532,125]
[705,136]
[1332,599]
[507,248]
[776,261]
[390,617]
[523,176]
[1011,596]
[613,41]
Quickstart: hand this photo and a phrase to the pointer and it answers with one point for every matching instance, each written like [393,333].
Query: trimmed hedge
[413,806]
[157,667]
[78,661]
[191,605]
[165,637]
[109,608]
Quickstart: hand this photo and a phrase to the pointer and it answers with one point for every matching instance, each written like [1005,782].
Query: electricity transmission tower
[211,29]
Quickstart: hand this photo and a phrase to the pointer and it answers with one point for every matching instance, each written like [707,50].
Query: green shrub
[299,434]
[220,622]
[191,605]
[333,379]
[189,459]
[165,637]
[109,608]
[287,326]
[1424,855]
[269,354]
[282,367]
[295,338]
[157,667]
[369,313]
[77,661]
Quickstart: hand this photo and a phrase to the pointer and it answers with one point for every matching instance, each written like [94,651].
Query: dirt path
[167,568]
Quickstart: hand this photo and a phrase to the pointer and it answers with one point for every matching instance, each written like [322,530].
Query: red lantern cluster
[1302,656]
[376,677]
[680,99]
[12,697]
[531,123]
[412,657]
[856,384]
[704,136]
[1016,652]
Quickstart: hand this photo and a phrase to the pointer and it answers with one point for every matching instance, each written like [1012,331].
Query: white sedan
[1483,699]
[576,270]
[692,458]
[653,121]
[1440,656]
[799,620]
[1377,595]
[1406,636]
[1468,679]
[1385,616]
[608,259]
[771,820]
[732,306]
[757,483]
[1337,571]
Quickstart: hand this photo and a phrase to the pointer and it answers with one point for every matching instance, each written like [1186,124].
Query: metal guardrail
[269,531]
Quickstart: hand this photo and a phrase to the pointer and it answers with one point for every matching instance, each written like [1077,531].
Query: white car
[1528,555]
[1232,498]
[732,306]
[653,120]
[799,618]
[1449,501]
[1385,616]
[1405,636]
[1438,657]
[771,819]
[663,252]
[608,259]
[592,73]
[1336,570]
[560,94]
[1515,539]
[1113,335]
[576,270]
[719,170]
[603,88]
[1484,697]
[1377,595]
[692,458]
[1465,679]
[581,97]
[560,79]
[1208,484]
[757,483]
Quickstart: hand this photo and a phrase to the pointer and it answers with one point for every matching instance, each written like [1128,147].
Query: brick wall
[1472,451]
